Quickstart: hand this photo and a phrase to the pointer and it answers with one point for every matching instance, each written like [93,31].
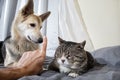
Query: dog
[25,34]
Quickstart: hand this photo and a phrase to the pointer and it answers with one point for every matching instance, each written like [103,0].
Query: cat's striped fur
[70,57]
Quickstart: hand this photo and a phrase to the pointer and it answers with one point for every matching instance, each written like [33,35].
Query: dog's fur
[25,34]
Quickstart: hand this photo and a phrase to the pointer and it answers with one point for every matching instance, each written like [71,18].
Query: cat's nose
[63,61]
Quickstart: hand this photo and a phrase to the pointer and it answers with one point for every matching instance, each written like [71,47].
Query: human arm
[30,63]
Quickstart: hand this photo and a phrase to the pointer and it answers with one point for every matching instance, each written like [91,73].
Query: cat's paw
[73,74]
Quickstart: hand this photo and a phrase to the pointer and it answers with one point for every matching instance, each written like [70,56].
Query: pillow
[108,55]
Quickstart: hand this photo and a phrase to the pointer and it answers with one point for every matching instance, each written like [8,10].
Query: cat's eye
[79,57]
[68,57]
[32,25]
[82,59]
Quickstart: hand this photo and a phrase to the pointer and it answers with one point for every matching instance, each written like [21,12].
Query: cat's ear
[61,40]
[28,8]
[82,45]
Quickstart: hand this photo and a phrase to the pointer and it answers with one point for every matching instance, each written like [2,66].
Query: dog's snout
[40,40]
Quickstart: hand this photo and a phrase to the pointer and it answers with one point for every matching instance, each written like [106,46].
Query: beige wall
[102,19]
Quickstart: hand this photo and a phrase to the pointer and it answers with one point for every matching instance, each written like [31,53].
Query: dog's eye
[40,27]
[32,25]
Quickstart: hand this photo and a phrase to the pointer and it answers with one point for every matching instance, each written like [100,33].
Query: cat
[71,58]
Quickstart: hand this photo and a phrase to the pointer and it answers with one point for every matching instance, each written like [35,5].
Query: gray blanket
[111,71]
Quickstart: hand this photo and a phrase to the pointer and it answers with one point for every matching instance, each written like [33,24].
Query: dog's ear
[45,15]
[28,8]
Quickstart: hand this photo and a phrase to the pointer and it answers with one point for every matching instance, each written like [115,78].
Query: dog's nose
[40,40]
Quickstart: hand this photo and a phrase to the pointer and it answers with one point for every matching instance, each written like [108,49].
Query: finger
[44,46]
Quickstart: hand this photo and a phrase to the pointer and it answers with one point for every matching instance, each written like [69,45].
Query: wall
[102,19]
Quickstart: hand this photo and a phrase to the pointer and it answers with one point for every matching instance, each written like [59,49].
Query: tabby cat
[71,58]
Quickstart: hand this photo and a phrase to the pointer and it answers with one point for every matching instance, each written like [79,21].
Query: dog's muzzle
[40,40]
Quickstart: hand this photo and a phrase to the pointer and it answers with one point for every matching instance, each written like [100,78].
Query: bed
[111,71]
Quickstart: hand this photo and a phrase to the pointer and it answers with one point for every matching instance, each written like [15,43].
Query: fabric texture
[111,71]
[71,24]
[109,56]
[7,15]
[66,22]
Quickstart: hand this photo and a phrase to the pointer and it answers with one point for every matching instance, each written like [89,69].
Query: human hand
[33,60]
